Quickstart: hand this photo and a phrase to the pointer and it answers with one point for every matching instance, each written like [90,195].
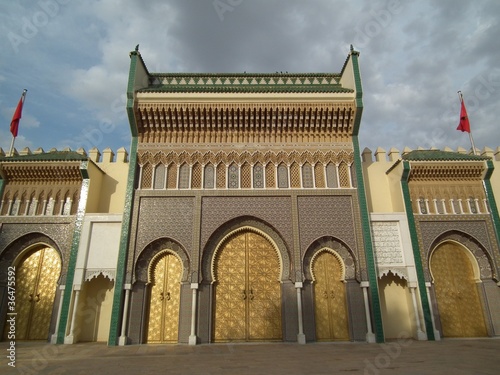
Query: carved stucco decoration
[94,273]
[228,157]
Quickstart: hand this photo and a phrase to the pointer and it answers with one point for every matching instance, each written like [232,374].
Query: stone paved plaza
[452,356]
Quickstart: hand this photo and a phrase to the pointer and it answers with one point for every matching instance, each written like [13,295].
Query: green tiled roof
[438,155]
[47,156]
[245,83]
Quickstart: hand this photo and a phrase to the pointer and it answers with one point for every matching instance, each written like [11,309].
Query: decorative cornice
[447,171]
[32,172]
[236,122]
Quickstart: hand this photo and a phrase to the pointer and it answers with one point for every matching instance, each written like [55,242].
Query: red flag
[14,124]
[464,124]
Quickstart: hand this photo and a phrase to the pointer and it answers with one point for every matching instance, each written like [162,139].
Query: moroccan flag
[14,124]
[464,124]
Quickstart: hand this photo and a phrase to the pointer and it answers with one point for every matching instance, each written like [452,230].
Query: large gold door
[456,293]
[165,296]
[247,292]
[36,284]
[330,310]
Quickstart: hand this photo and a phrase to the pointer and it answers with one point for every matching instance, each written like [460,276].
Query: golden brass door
[247,292]
[330,309]
[165,296]
[36,284]
[456,292]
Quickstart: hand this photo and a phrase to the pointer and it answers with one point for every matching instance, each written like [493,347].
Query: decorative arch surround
[478,254]
[218,238]
[236,231]
[17,249]
[156,258]
[154,250]
[337,248]
[335,254]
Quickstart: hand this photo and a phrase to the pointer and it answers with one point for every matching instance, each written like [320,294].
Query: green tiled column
[416,252]
[363,206]
[116,312]
[367,238]
[491,200]
[70,274]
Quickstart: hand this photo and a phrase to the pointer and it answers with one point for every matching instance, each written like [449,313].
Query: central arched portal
[247,289]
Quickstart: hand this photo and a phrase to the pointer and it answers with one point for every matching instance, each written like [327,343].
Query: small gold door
[456,293]
[247,292]
[330,310]
[165,295]
[36,284]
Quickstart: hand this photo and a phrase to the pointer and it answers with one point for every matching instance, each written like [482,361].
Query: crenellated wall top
[67,154]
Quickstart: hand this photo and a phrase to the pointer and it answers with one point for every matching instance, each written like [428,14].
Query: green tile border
[116,310]
[70,274]
[416,252]
[363,206]
[368,245]
[491,200]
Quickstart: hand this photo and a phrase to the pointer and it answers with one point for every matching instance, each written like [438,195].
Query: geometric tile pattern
[219,210]
[326,216]
[162,217]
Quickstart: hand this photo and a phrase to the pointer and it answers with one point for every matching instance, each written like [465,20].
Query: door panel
[165,298]
[457,296]
[36,283]
[329,299]
[248,296]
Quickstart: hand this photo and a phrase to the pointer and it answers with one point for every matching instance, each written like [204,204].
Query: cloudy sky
[414,57]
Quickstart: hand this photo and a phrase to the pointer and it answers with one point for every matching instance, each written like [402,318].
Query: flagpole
[11,152]
[461,97]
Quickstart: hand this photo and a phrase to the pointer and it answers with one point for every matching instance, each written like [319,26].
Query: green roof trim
[249,88]
[245,83]
[46,156]
[438,155]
